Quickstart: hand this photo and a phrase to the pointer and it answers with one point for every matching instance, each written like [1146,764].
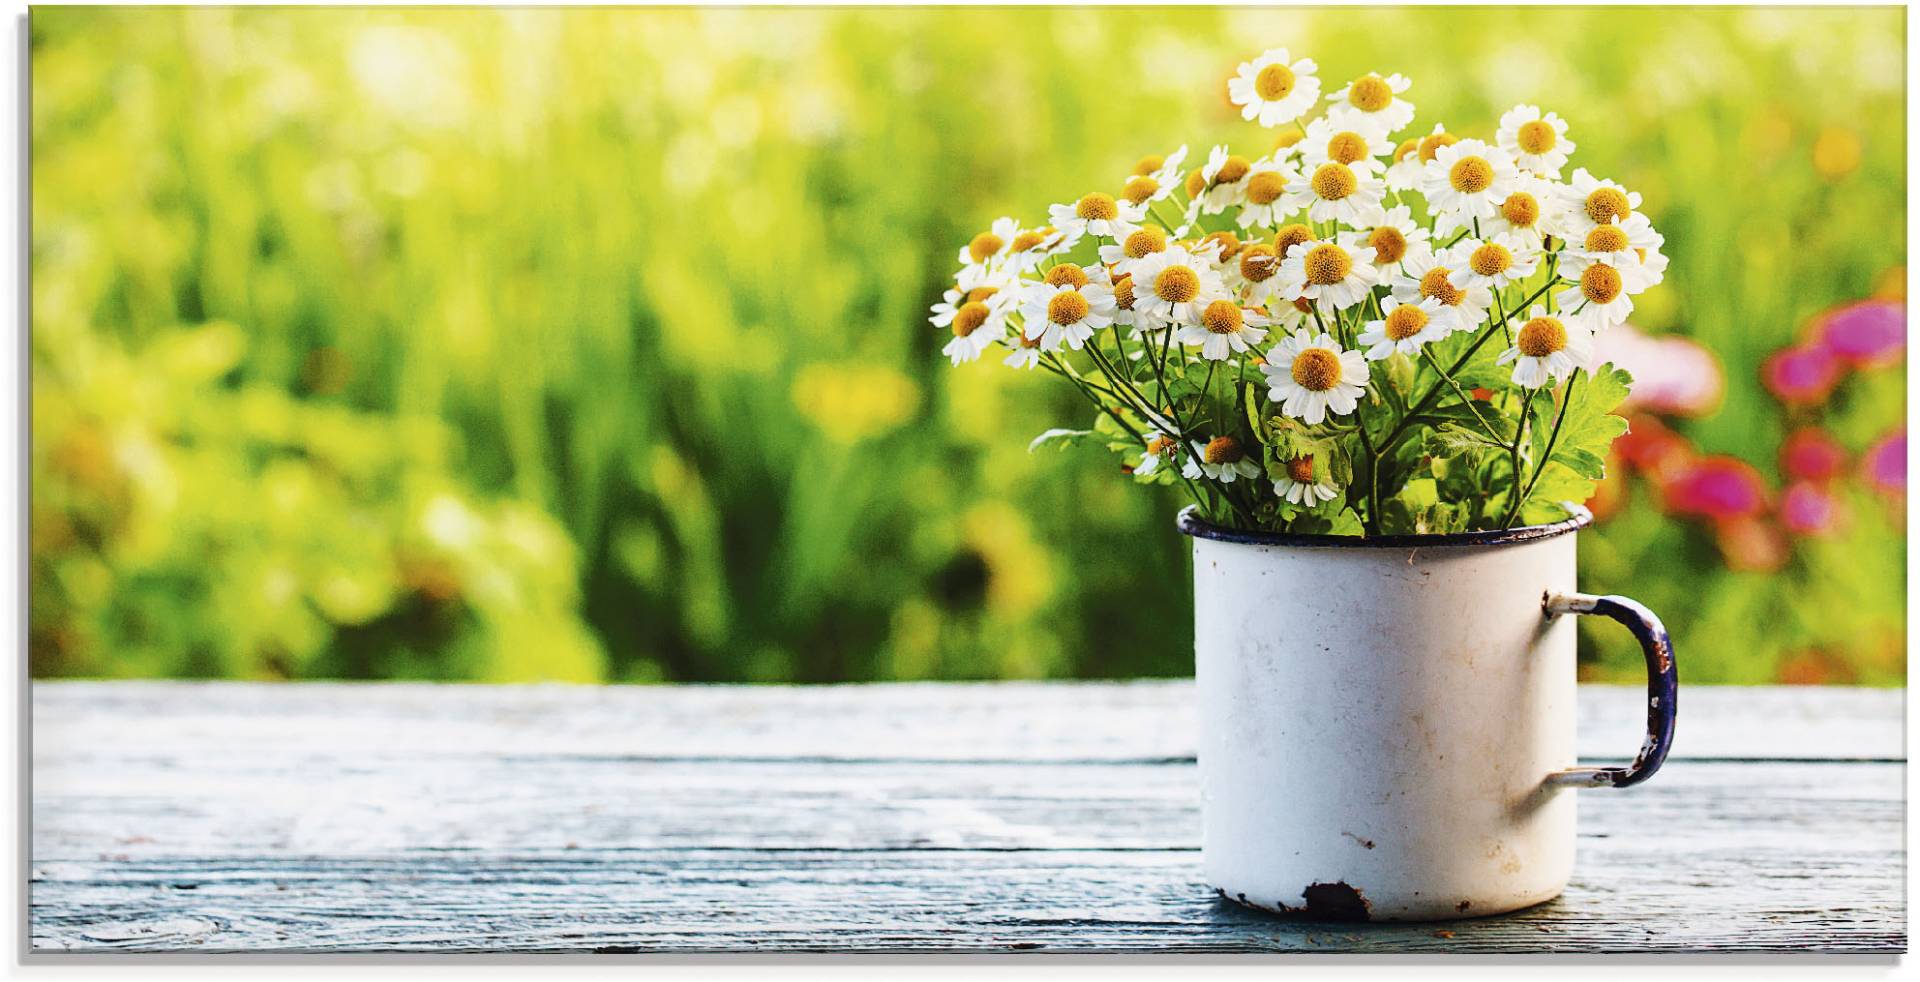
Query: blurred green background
[590,344]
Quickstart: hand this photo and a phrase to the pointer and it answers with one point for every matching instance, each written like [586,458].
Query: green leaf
[1587,428]
[1060,438]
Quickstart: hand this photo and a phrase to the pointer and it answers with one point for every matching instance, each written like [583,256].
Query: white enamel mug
[1387,723]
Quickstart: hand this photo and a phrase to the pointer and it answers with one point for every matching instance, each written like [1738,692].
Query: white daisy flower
[1404,329]
[1492,262]
[1600,297]
[1393,240]
[1222,183]
[1631,246]
[1371,103]
[1403,173]
[1224,330]
[1096,214]
[1026,352]
[1524,214]
[1173,285]
[1160,448]
[1333,275]
[989,247]
[1336,192]
[1547,348]
[1154,178]
[1589,201]
[1255,273]
[1310,375]
[1067,314]
[997,288]
[1358,149]
[1468,178]
[1537,143]
[1032,246]
[1304,484]
[1222,459]
[1138,244]
[1273,89]
[1266,190]
[1432,276]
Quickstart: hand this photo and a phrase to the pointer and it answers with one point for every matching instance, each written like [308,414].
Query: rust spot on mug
[1463,905]
[1365,842]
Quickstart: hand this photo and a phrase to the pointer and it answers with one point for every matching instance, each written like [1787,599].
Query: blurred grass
[618,316]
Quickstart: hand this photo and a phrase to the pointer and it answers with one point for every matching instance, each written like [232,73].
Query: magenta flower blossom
[1802,375]
[1866,334]
[1885,464]
[1717,487]
[1671,375]
[1808,509]
[1811,454]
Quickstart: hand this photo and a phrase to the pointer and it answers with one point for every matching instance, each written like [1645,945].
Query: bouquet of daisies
[1356,333]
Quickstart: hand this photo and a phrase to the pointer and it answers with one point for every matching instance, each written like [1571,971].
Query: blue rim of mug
[1192,524]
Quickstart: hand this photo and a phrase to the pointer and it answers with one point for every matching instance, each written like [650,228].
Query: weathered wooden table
[994,818]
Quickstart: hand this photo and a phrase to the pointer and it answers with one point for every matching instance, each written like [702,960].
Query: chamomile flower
[1360,149]
[1096,214]
[995,289]
[1225,328]
[1589,201]
[1373,104]
[1067,314]
[1623,244]
[1274,89]
[1333,275]
[1153,178]
[1173,285]
[1403,174]
[1222,459]
[1393,240]
[1305,484]
[1310,375]
[1599,298]
[1334,191]
[1547,348]
[1223,182]
[1523,214]
[1124,313]
[989,247]
[1432,276]
[1138,244]
[1404,329]
[1032,246]
[1492,262]
[1266,192]
[975,329]
[1255,273]
[1160,449]
[1026,352]
[1468,178]
[1537,143]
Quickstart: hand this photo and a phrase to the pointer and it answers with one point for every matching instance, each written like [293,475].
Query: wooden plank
[1143,720]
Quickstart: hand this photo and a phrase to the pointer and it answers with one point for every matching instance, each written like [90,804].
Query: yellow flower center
[1301,469]
[984,246]
[1139,189]
[1405,321]
[981,293]
[1027,240]
[1176,284]
[1370,94]
[1327,264]
[1123,292]
[1159,445]
[1520,209]
[1601,283]
[1223,317]
[1606,238]
[1067,307]
[1148,164]
[1257,263]
[1431,144]
[1346,148]
[1316,369]
[1097,207]
[1289,236]
[1228,242]
[1144,241]
[1606,204]
[1537,136]
[1541,337]
[1389,246]
[1265,187]
[1231,169]
[1288,137]
[1274,82]
[1223,450]
[1196,183]
[1066,274]
[1405,148]
[1334,181]
[968,318]
[1436,285]
[1471,175]
[1491,259]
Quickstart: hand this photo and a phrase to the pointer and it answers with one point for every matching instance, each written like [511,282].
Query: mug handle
[1663,688]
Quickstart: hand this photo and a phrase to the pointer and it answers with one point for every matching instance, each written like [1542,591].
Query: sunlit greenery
[590,344]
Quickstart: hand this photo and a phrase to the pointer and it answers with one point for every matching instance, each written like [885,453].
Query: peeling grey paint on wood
[1002,818]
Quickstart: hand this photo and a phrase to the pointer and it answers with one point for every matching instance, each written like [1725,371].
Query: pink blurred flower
[1866,334]
[1751,545]
[1651,447]
[1716,487]
[1811,454]
[1671,375]
[1808,509]
[1803,375]
[1884,465]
